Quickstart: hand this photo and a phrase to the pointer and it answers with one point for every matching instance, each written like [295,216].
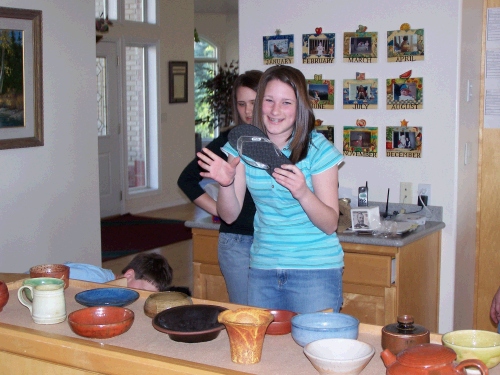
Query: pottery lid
[426,355]
[405,326]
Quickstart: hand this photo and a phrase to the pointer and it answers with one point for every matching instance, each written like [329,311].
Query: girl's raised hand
[217,168]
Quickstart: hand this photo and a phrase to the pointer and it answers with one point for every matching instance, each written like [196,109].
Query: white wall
[440,118]
[49,195]
[221,30]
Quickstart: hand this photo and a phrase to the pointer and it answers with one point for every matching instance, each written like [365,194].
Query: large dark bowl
[190,323]
[107,297]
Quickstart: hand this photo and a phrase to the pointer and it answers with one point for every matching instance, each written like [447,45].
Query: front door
[110,182]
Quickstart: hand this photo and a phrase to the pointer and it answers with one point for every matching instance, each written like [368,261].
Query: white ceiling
[216,6]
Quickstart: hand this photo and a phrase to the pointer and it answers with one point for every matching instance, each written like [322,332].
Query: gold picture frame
[21,99]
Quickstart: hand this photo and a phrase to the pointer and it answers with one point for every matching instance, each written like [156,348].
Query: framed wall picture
[178,82]
[360,94]
[278,49]
[318,48]
[405,44]
[405,93]
[360,46]
[321,92]
[21,92]
[360,141]
[403,142]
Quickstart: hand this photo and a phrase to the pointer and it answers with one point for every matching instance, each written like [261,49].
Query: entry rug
[130,234]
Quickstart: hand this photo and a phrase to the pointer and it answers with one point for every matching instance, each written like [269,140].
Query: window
[140,88]
[127,10]
[205,65]
[141,116]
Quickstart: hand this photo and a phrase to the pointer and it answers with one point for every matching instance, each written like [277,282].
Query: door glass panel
[102,107]
[136,117]
[134,10]
[100,8]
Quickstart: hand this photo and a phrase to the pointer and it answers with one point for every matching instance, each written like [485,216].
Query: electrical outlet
[405,192]
[424,189]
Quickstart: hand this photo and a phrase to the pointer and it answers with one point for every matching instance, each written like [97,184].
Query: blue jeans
[301,291]
[234,262]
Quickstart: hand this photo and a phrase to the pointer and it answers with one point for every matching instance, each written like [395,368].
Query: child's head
[243,96]
[148,271]
[304,115]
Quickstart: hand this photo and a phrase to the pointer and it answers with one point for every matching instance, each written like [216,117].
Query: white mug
[48,306]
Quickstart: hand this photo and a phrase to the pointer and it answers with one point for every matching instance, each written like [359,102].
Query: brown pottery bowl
[101,322]
[281,325]
[57,271]
[4,294]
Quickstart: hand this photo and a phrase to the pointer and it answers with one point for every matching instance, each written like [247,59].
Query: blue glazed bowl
[107,297]
[310,327]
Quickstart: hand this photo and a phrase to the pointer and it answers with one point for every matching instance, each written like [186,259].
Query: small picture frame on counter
[365,218]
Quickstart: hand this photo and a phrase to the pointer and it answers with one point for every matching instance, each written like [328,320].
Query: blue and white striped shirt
[284,237]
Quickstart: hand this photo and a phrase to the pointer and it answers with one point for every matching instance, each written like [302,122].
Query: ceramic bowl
[339,356]
[107,297]
[57,271]
[474,344]
[281,325]
[4,294]
[322,325]
[101,322]
[160,301]
[190,323]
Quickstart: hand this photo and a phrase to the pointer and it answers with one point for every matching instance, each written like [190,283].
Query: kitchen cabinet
[381,280]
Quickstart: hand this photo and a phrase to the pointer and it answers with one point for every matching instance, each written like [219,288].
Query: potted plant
[218,97]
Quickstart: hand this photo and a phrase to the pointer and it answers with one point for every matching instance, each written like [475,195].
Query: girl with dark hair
[236,238]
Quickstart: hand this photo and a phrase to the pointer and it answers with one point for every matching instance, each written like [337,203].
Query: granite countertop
[397,241]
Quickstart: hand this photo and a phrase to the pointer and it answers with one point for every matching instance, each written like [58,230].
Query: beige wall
[222,30]
[49,196]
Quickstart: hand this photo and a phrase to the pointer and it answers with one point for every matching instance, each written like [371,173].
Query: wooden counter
[383,278]
[29,348]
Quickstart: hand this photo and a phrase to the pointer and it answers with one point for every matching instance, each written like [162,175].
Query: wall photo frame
[403,142]
[21,94]
[360,46]
[321,92]
[360,141]
[177,82]
[405,44]
[278,49]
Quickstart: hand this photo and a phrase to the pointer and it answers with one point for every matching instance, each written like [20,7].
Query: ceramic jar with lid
[404,334]
[4,294]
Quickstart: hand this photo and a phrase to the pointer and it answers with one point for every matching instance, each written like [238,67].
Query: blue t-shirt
[89,272]
[285,237]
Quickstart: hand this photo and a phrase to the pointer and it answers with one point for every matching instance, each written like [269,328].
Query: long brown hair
[248,79]
[304,120]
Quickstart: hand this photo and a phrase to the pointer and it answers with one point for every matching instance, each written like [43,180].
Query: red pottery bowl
[4,294]
[101,322]
[281,325]
[57,271]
